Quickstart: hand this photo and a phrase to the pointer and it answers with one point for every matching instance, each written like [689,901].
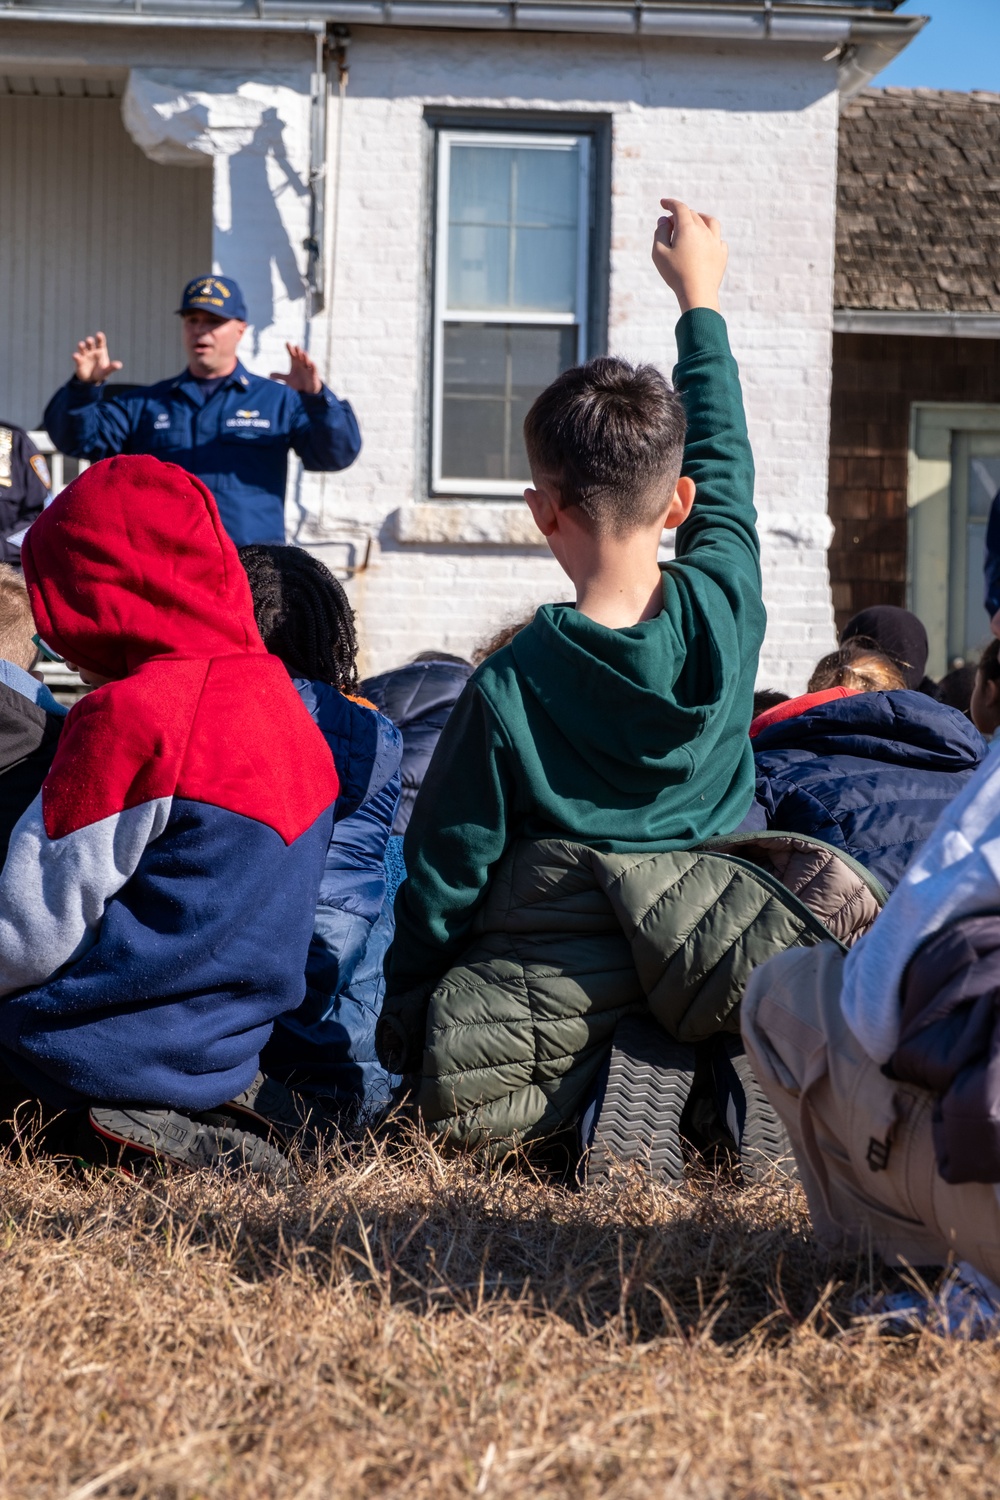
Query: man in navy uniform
[230,428]
[24,489]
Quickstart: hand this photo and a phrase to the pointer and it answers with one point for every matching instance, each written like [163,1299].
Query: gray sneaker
[636,1112]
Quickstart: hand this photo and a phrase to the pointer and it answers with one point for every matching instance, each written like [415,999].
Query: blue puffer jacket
[418,699]
[327,1045]
[868,774]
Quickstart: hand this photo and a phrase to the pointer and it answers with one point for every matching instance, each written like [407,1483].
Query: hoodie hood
[641,707]
[130,564]
[132,576]
[903,728]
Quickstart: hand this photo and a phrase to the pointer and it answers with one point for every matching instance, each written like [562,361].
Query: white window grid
[502,488]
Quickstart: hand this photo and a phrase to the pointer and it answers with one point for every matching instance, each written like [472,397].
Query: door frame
[934,427]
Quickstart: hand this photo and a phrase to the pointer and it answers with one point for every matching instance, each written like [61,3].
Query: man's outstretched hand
[93,365]
[303,375]
[690,254]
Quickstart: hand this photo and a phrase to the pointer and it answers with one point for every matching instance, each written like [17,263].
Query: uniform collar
[239,380]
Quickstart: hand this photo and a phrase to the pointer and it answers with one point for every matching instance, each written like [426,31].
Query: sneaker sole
[766,1146]
[170,1137]
[649,1082]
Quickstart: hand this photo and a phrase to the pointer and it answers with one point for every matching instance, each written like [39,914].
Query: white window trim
[929,573]
[442,315]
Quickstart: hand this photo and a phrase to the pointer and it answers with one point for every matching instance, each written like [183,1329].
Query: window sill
[479,523]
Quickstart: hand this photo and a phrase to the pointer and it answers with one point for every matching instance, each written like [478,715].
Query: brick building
[447,201]
[915,430]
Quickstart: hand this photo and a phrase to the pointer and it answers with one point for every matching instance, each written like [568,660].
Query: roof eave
[863,38]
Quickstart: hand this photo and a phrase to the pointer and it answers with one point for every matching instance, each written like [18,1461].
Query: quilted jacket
[327,1045]
[418,698]
[869,774]
[569,940]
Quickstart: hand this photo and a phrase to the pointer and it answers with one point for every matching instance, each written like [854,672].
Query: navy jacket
[868,774]
[418,699]
[236,441]
[991,565]
[327,1045]
[24,488]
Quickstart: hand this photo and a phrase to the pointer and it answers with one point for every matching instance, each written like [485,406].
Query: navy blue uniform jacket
[991,563]
[868,774]
[236,441]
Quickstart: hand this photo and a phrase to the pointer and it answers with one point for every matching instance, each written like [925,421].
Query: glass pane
[977,626]
[492,373]
[984,482]
[513,225]
[545,270]
[478,265]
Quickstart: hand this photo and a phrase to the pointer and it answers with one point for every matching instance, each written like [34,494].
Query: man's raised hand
[303,375]
[91,360]
[690,254]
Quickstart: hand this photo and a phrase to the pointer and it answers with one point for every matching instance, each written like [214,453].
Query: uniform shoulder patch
[41,468]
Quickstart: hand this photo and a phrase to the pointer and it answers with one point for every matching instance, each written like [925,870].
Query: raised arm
[325,435]
[76,419]
[691,256]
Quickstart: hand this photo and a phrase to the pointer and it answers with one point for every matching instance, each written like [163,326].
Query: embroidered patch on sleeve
[41,468]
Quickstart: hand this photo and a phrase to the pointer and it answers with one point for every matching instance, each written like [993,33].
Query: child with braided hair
[327,1045]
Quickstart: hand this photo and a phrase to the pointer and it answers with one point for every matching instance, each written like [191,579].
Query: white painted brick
[751,136]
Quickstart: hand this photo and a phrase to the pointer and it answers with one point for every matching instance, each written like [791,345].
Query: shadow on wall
[255,210]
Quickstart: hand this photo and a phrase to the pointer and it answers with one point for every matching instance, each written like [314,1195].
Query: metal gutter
[177,20]
[862,38]
[739,21]
[961,325]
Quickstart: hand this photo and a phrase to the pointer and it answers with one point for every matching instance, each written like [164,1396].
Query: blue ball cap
[215,294]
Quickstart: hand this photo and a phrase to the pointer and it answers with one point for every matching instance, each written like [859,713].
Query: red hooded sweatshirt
[157,900]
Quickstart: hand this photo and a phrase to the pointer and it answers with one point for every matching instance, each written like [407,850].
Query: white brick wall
[750,136]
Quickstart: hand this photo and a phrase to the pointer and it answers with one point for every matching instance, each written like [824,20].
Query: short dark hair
[989,662]
[303,614]
[610,435]
[764,699]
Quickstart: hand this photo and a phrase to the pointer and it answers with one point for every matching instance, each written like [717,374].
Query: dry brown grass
[404,1326]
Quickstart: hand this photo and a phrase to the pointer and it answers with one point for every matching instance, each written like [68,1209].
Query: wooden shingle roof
[918,215]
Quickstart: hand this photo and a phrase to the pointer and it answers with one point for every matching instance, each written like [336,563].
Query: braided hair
[303,614]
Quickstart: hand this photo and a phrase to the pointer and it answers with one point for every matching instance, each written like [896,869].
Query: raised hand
[91,360]
[690,254]
[303,375]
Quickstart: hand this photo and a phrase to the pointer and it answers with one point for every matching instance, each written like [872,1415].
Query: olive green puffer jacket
[569,940]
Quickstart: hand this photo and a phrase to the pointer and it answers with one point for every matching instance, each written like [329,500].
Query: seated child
[882,1063]
[417,698]
[157,898]
[31,720]
[617,722]
[327,1046]
[985,704]
[862,762]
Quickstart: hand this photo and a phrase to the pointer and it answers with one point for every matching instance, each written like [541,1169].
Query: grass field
[404,1326]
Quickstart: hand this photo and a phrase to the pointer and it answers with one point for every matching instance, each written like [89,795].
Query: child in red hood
[157,900]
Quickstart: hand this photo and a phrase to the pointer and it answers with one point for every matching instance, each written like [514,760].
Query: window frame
[937,563]
[448,135]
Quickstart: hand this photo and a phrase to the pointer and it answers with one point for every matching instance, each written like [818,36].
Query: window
[510,296]
[954,474]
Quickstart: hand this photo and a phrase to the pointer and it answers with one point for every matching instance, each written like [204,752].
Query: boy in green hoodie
[619,721]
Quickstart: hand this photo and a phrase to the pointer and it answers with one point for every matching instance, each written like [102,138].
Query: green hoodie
[622,740]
